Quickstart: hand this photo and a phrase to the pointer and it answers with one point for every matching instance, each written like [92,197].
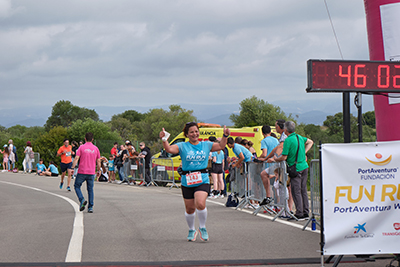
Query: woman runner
[195,182]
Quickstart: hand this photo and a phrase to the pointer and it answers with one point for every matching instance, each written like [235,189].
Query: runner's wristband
[226,136]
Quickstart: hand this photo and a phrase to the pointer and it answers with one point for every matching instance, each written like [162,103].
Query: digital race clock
[353,76]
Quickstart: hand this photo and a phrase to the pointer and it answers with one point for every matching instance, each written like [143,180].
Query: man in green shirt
[298,184]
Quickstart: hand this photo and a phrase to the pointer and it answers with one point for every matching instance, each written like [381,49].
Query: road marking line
[269,217]
[74,253]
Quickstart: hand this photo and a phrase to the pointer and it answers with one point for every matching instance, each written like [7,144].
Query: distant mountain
[316,117]
[37,116]
[221,120]
[28,122]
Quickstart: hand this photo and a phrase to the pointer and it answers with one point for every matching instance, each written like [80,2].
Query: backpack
[232,201]
[118,162]
[31,155]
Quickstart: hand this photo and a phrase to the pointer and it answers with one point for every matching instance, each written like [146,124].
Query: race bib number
[68,154]
[193,178]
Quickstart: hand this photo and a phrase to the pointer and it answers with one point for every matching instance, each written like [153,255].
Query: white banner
[361,198]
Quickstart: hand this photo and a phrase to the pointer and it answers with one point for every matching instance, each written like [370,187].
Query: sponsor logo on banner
[375,173]
[360,232]
[380,162]
[396,227]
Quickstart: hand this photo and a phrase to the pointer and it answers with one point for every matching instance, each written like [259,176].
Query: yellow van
[206,130]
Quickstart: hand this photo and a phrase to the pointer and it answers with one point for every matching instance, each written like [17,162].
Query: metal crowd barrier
[162,171]
[258,192]
[315,205]
[248,185]
[136,171]
[35,160]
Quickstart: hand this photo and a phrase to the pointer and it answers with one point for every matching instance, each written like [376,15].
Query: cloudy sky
[150,53]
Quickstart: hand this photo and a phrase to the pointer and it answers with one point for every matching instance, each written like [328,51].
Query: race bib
[193,178]
[68,154]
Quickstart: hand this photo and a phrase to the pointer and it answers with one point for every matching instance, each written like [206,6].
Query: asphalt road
[132,225]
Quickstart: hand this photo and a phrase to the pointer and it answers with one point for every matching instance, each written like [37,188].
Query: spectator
[120,159]
[249,145]
[114,150]
[13,157]
[277,151]
[65,152]
[52,170]
[267,145]
[217,171]
[227,161]
[242,153]
[298,183]
[6,154]
[281,189]
[27,163]
[146,154]
[102,174]
[89,156]
[40,167]
[111,169]
[75,147]
[131,171]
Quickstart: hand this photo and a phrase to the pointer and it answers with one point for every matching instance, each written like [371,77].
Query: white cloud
[166,52]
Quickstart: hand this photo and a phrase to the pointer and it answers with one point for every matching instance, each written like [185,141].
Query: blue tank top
[195,157]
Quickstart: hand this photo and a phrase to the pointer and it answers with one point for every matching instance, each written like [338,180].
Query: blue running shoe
[69,188]
[203,234]
[83,204]
[61,185]
[192,235]
[90,210]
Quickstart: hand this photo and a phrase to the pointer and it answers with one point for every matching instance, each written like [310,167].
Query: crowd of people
[80,162]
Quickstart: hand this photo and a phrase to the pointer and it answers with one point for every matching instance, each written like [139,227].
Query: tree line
[72,122]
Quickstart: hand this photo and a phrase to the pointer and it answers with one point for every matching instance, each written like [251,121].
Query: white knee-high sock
[202,214]
[190,218]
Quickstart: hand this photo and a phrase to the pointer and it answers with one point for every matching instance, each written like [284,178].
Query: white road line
[251,212]
[269,217]
[74,253]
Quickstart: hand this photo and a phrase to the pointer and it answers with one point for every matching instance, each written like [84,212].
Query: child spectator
[111,169]
[51,170]
[5,158]
[281,190]
[40,168]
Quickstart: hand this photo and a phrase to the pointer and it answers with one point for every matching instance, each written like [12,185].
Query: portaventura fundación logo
[380,162]
[378,173]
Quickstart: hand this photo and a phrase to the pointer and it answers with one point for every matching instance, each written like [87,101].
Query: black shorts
[65,166]
[216,168]
[54,174]
[188,192]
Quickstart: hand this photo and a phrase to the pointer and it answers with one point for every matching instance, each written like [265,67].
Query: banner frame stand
[322,236]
